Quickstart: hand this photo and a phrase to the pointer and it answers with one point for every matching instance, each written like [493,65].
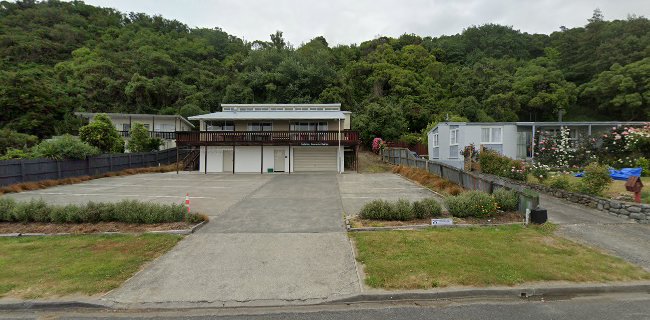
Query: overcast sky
[354,21]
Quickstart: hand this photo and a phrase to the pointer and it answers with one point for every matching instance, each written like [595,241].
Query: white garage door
[314,159]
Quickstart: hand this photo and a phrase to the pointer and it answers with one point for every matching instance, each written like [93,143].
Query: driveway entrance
[283,241]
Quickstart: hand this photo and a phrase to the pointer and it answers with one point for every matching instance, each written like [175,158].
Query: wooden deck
[256,138]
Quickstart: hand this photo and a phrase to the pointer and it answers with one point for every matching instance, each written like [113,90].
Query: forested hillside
[60,57]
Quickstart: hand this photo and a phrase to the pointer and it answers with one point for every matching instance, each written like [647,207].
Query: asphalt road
[621,306]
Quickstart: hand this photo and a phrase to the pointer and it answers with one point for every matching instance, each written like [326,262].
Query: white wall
[215,159]
[510,138]
[247,158]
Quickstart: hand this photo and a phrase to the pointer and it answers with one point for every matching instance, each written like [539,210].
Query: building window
[491,135]
[220,125]
[165,127]
[435,140]
[309,126]
[453,137]
[260,126]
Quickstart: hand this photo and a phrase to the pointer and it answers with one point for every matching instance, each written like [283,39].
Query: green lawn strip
[38,267]
[487,256]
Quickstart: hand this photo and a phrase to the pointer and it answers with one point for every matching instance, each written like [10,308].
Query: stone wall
[629,210]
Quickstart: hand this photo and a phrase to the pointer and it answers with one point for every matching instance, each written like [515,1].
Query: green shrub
[494,163]
[16,154]
[596,179]
[507,200]
[644,163]
[410,138]
[560,181]
[129,211]
[64,147]
[11,139]
[426,208]
[403,210]
[540,171]
[102,134]
[377,210]
[471,204]
[7,206]
[141,141]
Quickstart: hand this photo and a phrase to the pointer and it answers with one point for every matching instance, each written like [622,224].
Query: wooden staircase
[191,160]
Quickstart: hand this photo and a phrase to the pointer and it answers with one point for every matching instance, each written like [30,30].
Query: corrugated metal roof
[550,123]
[271,115]
[134,116]
[280,104]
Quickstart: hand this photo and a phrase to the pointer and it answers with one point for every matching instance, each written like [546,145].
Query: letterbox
[634,184]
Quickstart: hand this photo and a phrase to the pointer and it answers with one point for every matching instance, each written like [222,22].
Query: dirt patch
[83,228]
[372,163]
[501,218]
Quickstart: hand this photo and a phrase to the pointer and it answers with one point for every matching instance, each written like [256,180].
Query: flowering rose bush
[494,163]
[554,149]
[540,171]
[378,145]
[638,140]
[622,146]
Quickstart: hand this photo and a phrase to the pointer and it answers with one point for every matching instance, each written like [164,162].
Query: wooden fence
[528,199]
[419,148]
[28,170]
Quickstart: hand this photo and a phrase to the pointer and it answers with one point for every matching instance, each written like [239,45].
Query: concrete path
[620,237]
[282,242]
[359,189]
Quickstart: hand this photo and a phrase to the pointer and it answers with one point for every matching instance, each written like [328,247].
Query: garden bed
[89,228]
[429,180]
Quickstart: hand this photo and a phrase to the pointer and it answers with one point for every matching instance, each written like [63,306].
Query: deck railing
[165,135]
[348,137]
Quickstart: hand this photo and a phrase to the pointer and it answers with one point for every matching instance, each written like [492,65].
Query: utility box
[538,215]
[634,184]
[269,170]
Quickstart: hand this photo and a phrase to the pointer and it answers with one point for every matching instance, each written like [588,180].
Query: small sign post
[442,222]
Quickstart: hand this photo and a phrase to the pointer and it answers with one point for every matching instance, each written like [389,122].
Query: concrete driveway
[282,241]
[621,237]
[272,239]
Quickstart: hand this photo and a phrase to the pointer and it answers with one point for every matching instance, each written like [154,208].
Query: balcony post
[338,153]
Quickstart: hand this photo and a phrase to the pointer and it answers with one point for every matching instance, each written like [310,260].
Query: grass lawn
[615,189]
[506,255]
[40,267]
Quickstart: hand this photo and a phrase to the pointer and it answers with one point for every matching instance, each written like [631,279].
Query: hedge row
[401,210]
[129,211]
[481,204]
